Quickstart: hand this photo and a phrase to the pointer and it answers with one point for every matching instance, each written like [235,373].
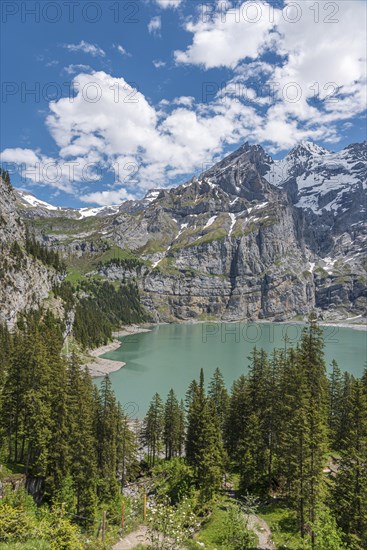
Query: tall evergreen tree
[314,439]
[218,397]
[107,429]
[126,449]
[350,491]
[204,446]
[81,436]
[172,435]
[153,429]
[335,405]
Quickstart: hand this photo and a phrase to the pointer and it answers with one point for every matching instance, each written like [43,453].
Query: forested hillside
[291,434]
[71,441]
[287,440]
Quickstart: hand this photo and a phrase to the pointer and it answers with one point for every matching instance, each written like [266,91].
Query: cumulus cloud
[223,37]
[110,125]
[39,169]
[107,198]
[86,47]
[155,25]
[318,80]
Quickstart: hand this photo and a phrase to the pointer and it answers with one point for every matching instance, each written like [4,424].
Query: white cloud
[123,133]
[52,63]
[224,38]
[324,58]
[336,61]
[107,198]
[121,50]
[19,156]
[155,25]
[38,168]
[187,101]
[86,47]
[73,69]
[108,122]
[158,64]
[165,4]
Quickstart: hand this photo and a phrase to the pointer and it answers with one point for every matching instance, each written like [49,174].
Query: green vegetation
[214,235]
[283,524]
[100,307]
[68,226]
[88,262]
[226,528]
[46,255]
[287,445]
[288,432]
[57,428]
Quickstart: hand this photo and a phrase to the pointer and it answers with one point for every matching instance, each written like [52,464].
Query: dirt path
[262,531]
[133,539]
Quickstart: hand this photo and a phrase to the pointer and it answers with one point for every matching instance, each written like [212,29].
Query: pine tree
[172,425]
[218,397]
[182,428]
[153,429]
[350,491]
[204,446]
[238,412]
[314,438]
[82,459]
[335,405]
[106,433]
[126,449]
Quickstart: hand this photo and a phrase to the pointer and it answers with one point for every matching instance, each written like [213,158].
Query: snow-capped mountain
[30,200]
[320,180]
[35,207]
[249,238]
[331,189]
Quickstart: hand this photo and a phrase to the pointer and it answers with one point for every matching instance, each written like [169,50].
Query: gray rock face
[24,282]
[250,238]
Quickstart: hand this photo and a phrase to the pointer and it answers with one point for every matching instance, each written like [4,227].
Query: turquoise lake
[170,356]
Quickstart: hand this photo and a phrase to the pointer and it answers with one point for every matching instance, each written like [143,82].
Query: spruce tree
[314,405]
[172,425]
[204,446]
[335,405]
[107,430]
[153,429]
[350,491]
[218,397]
[82,459]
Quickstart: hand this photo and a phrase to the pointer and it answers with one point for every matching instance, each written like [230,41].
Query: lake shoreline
[100,366]
[341,324]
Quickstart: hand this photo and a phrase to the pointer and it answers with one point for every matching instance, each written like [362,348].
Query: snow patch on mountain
[33,201]
[321,180]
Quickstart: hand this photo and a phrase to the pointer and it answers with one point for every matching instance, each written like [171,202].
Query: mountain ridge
[230,244]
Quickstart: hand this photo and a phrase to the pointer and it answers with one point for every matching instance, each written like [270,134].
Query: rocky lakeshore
[100,366]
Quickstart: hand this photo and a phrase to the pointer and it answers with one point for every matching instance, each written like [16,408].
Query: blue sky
[132,95]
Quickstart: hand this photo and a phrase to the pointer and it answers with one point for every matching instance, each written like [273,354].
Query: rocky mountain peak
[307,148]
[241,173]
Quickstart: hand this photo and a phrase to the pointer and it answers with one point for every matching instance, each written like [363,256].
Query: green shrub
[15,524]
[63,535]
